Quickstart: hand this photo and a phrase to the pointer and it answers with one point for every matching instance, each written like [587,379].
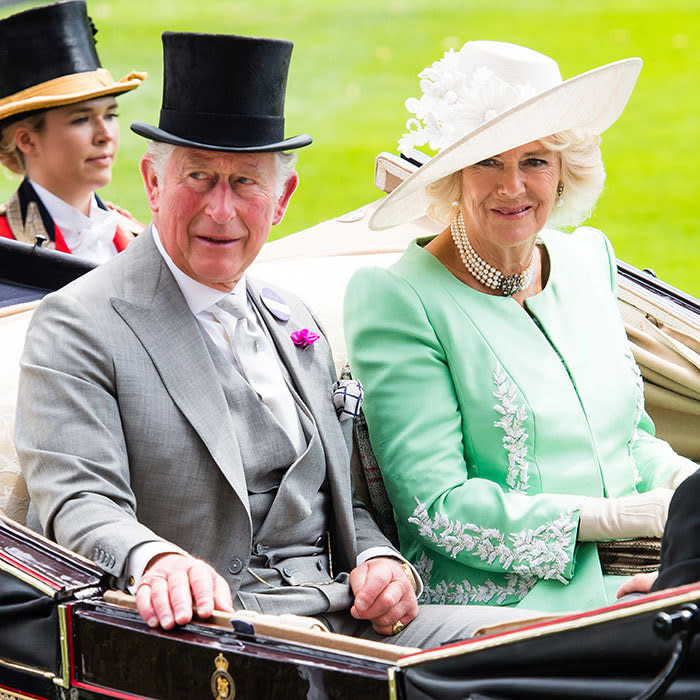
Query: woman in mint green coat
[503,403]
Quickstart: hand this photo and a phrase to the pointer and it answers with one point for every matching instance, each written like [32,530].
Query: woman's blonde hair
[582,176]
[10,156]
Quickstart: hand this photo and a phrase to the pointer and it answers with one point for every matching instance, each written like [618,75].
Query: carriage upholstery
[14,499]
[27,273]
[666,346]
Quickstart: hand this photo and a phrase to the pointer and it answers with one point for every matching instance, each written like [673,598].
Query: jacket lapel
[307,367]
[155,309]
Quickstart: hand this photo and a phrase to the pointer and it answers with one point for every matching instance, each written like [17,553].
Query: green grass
[356,61]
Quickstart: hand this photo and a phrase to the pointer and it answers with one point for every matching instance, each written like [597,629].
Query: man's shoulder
[112,278]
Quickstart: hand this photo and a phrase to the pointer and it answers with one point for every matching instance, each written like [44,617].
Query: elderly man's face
[214,210]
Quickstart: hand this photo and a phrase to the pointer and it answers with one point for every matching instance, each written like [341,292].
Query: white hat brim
[592,100]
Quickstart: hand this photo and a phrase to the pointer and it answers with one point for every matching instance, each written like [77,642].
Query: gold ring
[397,627]
[150,579]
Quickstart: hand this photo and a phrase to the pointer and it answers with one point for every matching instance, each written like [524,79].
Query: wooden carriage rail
[284,628]
[685,304]
[492,636]
[14,309]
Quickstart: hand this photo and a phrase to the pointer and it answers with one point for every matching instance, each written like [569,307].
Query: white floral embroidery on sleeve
[462,592]
[542,552]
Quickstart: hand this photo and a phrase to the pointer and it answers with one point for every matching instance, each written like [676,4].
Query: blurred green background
[356,61]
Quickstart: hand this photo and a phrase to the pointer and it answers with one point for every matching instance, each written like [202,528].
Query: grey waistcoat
[290,569]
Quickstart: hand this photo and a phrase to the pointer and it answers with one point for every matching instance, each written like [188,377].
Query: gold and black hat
[48,59]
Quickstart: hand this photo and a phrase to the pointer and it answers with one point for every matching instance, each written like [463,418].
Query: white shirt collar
[198,296]
[89,236]
[65,215]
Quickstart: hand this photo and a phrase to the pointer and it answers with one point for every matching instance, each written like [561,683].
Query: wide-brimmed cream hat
[491,97]
[49,59]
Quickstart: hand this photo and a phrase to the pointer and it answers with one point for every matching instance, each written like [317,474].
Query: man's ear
[150,181]
[286,195]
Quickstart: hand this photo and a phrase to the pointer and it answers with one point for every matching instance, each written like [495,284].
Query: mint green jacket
[491,424]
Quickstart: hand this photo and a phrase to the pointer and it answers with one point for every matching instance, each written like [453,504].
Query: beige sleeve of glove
[641,515]
[685,469]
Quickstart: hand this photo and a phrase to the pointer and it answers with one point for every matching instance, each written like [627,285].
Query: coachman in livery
[58,129]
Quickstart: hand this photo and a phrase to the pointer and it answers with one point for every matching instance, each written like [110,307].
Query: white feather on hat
[490,97]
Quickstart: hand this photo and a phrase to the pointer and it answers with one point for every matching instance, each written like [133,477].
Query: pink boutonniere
[304,338]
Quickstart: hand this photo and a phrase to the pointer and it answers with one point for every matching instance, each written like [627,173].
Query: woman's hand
[641,515]
[639,583]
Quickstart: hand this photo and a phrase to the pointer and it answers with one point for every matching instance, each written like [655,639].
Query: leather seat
[14,499]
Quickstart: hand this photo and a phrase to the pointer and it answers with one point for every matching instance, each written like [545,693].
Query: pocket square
[347,398]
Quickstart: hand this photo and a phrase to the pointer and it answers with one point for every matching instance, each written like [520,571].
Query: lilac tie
[258,362]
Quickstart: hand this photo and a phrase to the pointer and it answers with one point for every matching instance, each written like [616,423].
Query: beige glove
[641,515]
[685,469]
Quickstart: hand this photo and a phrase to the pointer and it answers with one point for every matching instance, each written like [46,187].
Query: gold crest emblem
[222,685]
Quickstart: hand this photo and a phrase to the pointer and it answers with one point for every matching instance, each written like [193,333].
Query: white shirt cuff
[140,555]
[374,552]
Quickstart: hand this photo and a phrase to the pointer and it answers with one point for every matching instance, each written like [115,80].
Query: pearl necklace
[488,275]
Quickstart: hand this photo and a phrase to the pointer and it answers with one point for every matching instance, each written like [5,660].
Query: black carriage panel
[616,656]
[29,623]
[114,650]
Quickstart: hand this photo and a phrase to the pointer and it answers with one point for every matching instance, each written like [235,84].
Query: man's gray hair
[159,154]
[285,167]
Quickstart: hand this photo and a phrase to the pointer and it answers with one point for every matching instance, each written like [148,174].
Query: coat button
[286,571]
[235,566]
[319,564]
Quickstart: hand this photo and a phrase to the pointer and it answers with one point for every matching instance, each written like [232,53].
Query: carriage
[65,632]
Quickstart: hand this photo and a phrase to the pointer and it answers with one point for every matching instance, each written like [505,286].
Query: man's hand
[383,594]
[639,583]
[173,584]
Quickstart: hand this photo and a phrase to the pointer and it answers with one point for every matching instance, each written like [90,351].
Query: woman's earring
[454,203]
[560,192]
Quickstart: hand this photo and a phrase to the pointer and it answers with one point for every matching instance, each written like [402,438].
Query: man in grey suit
[176,422]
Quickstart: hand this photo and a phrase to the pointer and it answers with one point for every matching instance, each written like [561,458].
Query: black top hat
[48,59]
[223,92]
